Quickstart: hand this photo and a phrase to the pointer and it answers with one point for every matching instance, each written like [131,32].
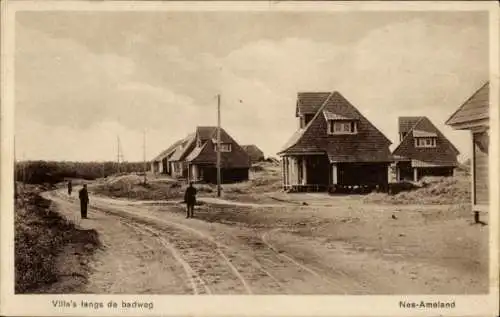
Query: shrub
[38,172]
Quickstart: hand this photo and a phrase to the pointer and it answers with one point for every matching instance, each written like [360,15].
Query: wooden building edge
[473,116]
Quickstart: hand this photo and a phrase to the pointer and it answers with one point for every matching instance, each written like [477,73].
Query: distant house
[160,164]
[473,115]
[335,146]
[255,154]
[195,158]
[178,164]
[202,160]
[423,150]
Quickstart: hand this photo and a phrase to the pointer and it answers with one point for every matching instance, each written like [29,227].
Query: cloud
[63,83]
[406,68]
[398,70]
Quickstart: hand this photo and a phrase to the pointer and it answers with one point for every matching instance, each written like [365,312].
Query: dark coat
[190,195]
[84,195]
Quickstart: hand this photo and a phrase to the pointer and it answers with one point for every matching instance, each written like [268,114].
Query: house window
[225,147]
[305,119]
[342,127]
[425,142]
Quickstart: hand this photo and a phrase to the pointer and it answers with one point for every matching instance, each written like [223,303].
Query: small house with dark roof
[202,160]
[334,146]
[160,164]
[255,154]
[178,165]
[423,150]
[473,115]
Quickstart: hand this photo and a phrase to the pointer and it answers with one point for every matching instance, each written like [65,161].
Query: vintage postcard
[249,158]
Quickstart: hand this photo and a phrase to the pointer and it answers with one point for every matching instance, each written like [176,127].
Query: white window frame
[225,147]
[302,122]
[338,127]
[425,142]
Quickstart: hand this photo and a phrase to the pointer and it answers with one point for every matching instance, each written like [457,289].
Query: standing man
[70,187]
[84,201]
[190,200]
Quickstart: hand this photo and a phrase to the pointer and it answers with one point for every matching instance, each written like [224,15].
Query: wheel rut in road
[234,266]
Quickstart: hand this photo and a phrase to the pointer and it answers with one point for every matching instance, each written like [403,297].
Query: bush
[39,172]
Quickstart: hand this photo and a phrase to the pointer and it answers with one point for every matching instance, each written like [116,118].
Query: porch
[306,173]
[178,169]
[315,173]
[208,173]
[415,170]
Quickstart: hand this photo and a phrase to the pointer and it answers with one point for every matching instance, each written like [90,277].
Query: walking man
[70,187]
[84,201]
[190,200]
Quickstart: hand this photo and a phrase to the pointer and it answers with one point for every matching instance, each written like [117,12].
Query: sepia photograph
[232,151]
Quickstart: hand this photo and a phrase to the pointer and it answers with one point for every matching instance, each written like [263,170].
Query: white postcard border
[276,305]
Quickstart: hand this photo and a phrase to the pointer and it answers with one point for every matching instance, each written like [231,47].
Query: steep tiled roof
[253,151]
[368,145]
[205,154]
[184,148]
[445,153]
[167,152]
[407,123]
[197,150]
[206,133]
[475,108]
[334,116]
[423,134]
[310,102]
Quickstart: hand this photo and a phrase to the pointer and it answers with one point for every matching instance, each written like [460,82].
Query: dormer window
[425,139]
[305,119]
[425,142]
[224,147]
[402,136]
[342,127]
[340,124]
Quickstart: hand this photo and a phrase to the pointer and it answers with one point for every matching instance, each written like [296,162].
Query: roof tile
[445,153]
[474,108]
[368,145]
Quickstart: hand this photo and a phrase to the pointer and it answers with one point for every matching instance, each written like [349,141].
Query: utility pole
[144,155]
[218,146]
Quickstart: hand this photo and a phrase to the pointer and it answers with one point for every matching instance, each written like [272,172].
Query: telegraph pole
[218,146]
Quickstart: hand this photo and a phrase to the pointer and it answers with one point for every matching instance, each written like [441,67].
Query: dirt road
[152,248]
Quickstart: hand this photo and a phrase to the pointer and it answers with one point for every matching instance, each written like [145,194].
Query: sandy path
[223,263]
[193,256]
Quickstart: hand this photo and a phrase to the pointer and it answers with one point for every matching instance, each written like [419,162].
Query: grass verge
[41,236]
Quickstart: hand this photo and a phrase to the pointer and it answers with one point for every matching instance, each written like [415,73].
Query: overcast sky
[84,78]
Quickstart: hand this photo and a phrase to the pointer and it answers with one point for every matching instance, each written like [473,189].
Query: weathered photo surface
[251,152]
